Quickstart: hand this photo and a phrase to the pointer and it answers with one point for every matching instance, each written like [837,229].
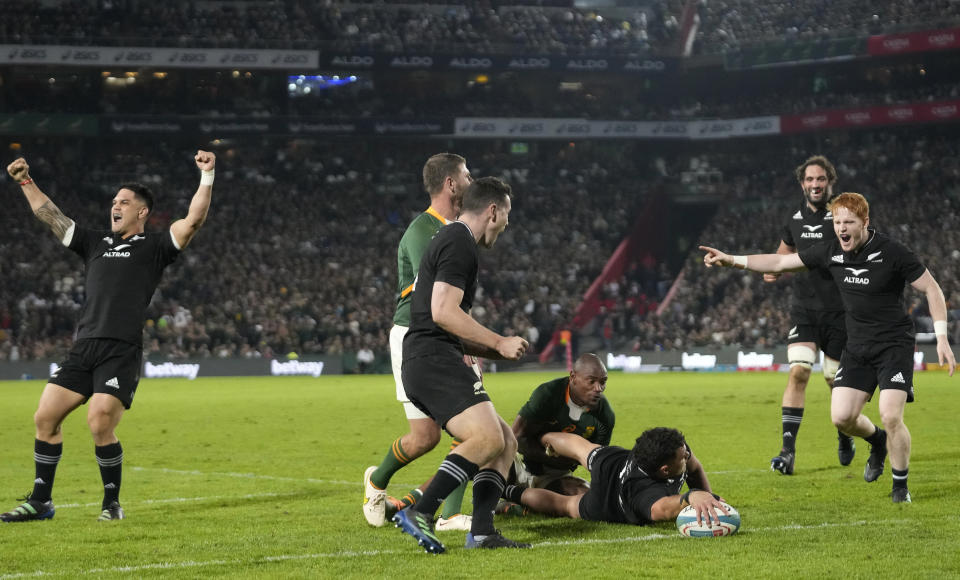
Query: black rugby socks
[46,456]
[110,459]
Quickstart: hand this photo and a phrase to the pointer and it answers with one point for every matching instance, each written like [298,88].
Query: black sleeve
[644,494]
[83,241]
[787,236]
[455,263]
[907,263]
[816,256]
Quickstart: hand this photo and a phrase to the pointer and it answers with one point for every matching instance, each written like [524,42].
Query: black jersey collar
[870,243]
[806,211]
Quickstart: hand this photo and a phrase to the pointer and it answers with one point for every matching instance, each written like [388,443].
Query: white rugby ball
[687,523]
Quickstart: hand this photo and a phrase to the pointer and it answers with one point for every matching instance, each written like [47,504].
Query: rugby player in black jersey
[448,391]
[637,486]
[816,316]
[870,269]
[123,267]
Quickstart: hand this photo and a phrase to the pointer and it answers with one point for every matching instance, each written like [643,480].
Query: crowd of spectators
[909,176]
[475,27]
[728,25]
[299,252]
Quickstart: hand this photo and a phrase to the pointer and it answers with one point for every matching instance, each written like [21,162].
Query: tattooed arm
[45,210]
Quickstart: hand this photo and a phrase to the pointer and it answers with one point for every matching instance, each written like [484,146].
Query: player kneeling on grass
[573,404]
[123,268]
[628,486]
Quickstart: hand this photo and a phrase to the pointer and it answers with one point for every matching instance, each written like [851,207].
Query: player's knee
[892,420]
[101,423]
[46,425]
[418,442]
[510,444]
[801,359]
[843,420]
[493,444]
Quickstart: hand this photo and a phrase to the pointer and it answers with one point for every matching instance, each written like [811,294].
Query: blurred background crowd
[299,252]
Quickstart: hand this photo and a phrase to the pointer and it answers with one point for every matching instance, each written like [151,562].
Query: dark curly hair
[656,447]
[823,162]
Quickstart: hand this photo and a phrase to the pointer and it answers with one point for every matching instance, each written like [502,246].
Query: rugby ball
[687,523]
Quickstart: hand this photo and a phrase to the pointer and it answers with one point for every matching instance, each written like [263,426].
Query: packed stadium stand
[314,188]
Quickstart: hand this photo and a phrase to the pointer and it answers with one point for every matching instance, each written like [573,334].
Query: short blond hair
[438,168]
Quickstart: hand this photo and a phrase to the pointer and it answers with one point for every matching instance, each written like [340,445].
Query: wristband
[940,327]
[27,181]
[206,177]
[740,262]
[685,498]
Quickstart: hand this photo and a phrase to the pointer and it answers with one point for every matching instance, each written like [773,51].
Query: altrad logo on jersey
[856,277]
[812,232]
[116,252]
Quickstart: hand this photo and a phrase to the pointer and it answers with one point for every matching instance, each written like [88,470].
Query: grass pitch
[260,477]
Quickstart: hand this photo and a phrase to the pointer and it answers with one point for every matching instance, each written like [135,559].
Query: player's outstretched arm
[668,508]
[754,262]
[938,311]
[184,229]
[45,210]
[696,475]
[783,248]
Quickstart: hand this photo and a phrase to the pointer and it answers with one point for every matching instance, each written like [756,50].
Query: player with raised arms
[123,268]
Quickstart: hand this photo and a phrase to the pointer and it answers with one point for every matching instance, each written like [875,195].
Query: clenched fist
[19,170]
[205,160]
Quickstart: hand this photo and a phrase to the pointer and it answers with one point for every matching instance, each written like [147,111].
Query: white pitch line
[246,475]
[366,553]
[181,499]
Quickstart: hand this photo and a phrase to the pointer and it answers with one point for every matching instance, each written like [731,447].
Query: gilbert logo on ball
[687,523]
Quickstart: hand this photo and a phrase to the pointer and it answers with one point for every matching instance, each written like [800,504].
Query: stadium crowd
[728,25]
[477,27]
[299,252]
[910,178]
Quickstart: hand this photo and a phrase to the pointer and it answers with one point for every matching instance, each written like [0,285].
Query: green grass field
[262,478]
